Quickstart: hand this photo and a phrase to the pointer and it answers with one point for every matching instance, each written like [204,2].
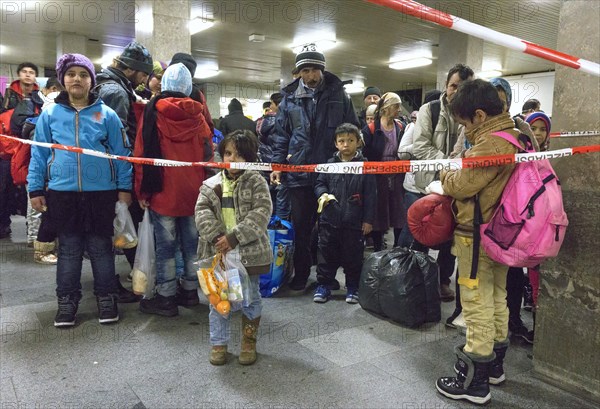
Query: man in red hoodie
[174,128]
[18,90]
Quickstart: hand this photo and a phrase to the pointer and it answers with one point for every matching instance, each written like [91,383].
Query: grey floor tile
[310,355]
[7,392]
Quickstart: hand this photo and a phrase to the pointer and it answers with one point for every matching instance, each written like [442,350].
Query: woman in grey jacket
[233,211]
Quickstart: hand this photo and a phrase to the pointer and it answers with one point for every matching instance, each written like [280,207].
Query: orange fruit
[224,307]
[120,242]
[214,299]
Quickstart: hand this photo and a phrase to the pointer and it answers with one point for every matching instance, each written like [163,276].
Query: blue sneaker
[322,294]
[352,296]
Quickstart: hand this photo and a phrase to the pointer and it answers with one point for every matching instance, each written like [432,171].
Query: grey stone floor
[333,355]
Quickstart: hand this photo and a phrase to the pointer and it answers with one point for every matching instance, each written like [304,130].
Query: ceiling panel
[368,36]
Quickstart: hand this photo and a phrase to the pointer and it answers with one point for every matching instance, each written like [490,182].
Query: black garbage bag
[401,284]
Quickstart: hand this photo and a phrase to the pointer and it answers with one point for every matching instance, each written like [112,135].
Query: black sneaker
[107,309]
[124,295]
[186,298]
[160,305]
[67,309]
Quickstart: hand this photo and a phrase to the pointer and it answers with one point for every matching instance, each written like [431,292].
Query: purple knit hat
[67,61]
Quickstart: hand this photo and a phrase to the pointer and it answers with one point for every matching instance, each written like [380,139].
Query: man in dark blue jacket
[313,106]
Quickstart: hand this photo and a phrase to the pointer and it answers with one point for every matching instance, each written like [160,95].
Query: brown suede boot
[218,355]
[43,252]
[249,334]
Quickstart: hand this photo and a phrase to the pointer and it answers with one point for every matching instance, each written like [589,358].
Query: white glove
[435,187]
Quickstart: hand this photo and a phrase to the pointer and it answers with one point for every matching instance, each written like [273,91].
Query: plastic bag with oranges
[125,236]
[223,279]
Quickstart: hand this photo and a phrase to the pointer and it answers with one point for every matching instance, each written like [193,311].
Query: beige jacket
[488,182]
[253,208]
[433,144]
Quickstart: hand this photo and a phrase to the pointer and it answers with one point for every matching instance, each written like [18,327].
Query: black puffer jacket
[117,93]
[305,126]
[356,197]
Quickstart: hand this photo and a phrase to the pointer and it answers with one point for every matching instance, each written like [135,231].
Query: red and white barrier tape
[464,26]
[576,133]
[358,168]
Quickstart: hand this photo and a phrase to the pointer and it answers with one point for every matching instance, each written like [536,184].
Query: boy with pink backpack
[478,107]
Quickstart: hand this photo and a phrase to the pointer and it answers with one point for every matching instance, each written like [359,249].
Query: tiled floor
[332,355]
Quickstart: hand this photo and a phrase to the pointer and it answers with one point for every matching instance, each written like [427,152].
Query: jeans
[169,234]
[483,304]
[219,326]
[70,255]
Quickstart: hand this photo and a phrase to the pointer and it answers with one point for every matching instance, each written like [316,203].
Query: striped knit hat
[310,57]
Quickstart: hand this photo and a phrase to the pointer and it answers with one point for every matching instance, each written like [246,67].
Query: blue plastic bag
[281,234]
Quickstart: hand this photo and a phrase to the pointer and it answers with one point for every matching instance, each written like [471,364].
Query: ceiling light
[199,24]
[2,49]
[355,88]
[489,74]
[321,45]
[107,59]
[203,73]
[256,38]
[414,63]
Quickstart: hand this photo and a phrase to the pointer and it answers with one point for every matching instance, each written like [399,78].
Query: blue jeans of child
[219,326]
[169,234]
[70,255]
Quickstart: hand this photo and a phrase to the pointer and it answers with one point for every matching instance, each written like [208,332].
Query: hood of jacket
[180,119]
[358,157]
[110,73]
[16,87]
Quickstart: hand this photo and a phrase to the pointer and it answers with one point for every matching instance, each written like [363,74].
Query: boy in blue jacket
[346,213]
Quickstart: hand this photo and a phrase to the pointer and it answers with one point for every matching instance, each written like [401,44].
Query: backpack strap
[513,141]
[477,221]
[435,107]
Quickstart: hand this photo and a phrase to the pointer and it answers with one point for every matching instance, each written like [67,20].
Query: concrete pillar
[162,27]
[567,337]
[70,43]
[457,48]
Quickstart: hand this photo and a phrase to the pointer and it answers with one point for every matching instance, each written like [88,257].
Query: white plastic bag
[224,281]
[237,280]
[125,236]
[144,266]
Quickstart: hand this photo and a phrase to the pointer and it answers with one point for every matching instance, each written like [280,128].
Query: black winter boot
[470,384]
[496,366]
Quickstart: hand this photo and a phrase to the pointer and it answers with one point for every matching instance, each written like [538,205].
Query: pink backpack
[530,222]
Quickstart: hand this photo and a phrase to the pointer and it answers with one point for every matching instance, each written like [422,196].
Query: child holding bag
[233,211]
